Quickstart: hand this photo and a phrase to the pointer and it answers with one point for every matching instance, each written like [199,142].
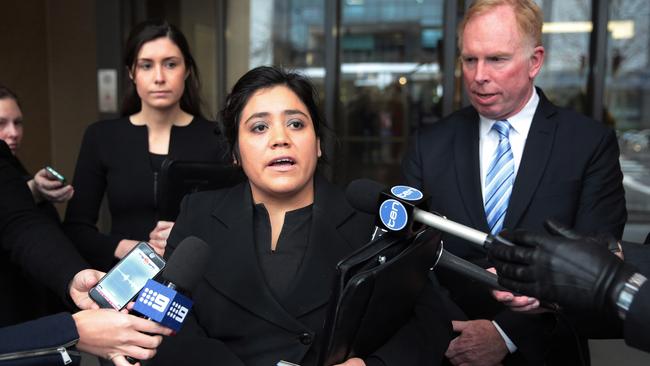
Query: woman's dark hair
[261,78]
[148,31]
[6,93]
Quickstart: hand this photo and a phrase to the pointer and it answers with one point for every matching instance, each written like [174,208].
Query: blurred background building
[383,69]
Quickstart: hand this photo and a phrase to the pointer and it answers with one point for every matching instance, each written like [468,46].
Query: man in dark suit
[509,161]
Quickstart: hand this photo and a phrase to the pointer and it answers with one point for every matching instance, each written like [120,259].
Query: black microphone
[459,265]
[163,302]
[398,207]
[186,265]
[363,194]
[468,269]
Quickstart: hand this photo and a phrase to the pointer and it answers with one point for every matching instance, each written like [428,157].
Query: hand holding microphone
[164,302]
[404,204]
[114,335]
[573,273]
[397,209]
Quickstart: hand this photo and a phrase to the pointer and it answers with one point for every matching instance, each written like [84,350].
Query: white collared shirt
[489,139]
[488,142]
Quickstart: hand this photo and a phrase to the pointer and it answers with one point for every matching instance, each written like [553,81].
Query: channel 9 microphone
[164,302]
[399,208]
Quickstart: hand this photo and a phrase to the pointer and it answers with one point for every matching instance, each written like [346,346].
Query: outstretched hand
[573,273]
[113,335]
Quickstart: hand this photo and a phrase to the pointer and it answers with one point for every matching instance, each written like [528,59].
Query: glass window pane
[288,33]
[198,24]
[390,82]
[627,98]
[566,35]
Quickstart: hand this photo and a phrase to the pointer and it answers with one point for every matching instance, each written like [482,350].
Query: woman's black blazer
[236,319]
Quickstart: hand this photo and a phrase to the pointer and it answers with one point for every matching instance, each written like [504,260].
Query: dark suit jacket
[569,170]
[31,242]
[236,318]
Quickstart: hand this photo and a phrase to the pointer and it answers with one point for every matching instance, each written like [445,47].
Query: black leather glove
[573,273]
[605,240]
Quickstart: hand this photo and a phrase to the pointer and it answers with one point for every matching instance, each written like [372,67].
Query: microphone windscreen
[363,194]
[187,263]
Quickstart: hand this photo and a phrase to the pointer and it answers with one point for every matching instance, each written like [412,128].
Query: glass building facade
[386,67]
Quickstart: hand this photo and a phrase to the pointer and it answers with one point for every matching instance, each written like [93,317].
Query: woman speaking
[276,239]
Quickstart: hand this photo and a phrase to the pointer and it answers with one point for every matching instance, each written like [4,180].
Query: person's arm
[102,332]
[602,197]
[81,215]
[575,274]
[34,242]
[113,335]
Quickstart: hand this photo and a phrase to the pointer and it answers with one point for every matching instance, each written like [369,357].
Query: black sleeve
[48,332]
[637,321]
[83,209]
[602,198]
[34,242]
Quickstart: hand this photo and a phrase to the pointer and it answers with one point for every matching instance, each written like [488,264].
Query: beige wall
[24,69]
[72,75]
[237,41]
[48,58]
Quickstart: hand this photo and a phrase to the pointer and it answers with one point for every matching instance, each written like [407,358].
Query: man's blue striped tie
[499,179]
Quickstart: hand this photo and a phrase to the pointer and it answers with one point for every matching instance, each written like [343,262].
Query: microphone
[363,194]
[401,206]
[187,264]
[468,269]
[165,303]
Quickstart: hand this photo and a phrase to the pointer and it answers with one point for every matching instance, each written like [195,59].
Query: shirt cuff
[512,348]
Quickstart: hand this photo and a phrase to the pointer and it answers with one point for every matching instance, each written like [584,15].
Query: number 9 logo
[160,303]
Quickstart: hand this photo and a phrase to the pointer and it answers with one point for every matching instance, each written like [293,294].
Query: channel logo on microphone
[406,193]
[393,215]
[163,305]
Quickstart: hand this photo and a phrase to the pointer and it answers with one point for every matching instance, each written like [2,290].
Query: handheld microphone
[162,303]
[468,269]
[165,303]
[401,206]
[449,261]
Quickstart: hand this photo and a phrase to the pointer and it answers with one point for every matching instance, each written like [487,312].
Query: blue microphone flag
[163,305]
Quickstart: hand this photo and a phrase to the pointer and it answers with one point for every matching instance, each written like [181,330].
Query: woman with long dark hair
[121,158]
[276,239]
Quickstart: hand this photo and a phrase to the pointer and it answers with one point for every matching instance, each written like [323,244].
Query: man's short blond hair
[527,13]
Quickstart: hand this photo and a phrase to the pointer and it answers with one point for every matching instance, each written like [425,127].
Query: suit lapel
[326,248]
[538,148]
[468,169]
[236,272]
